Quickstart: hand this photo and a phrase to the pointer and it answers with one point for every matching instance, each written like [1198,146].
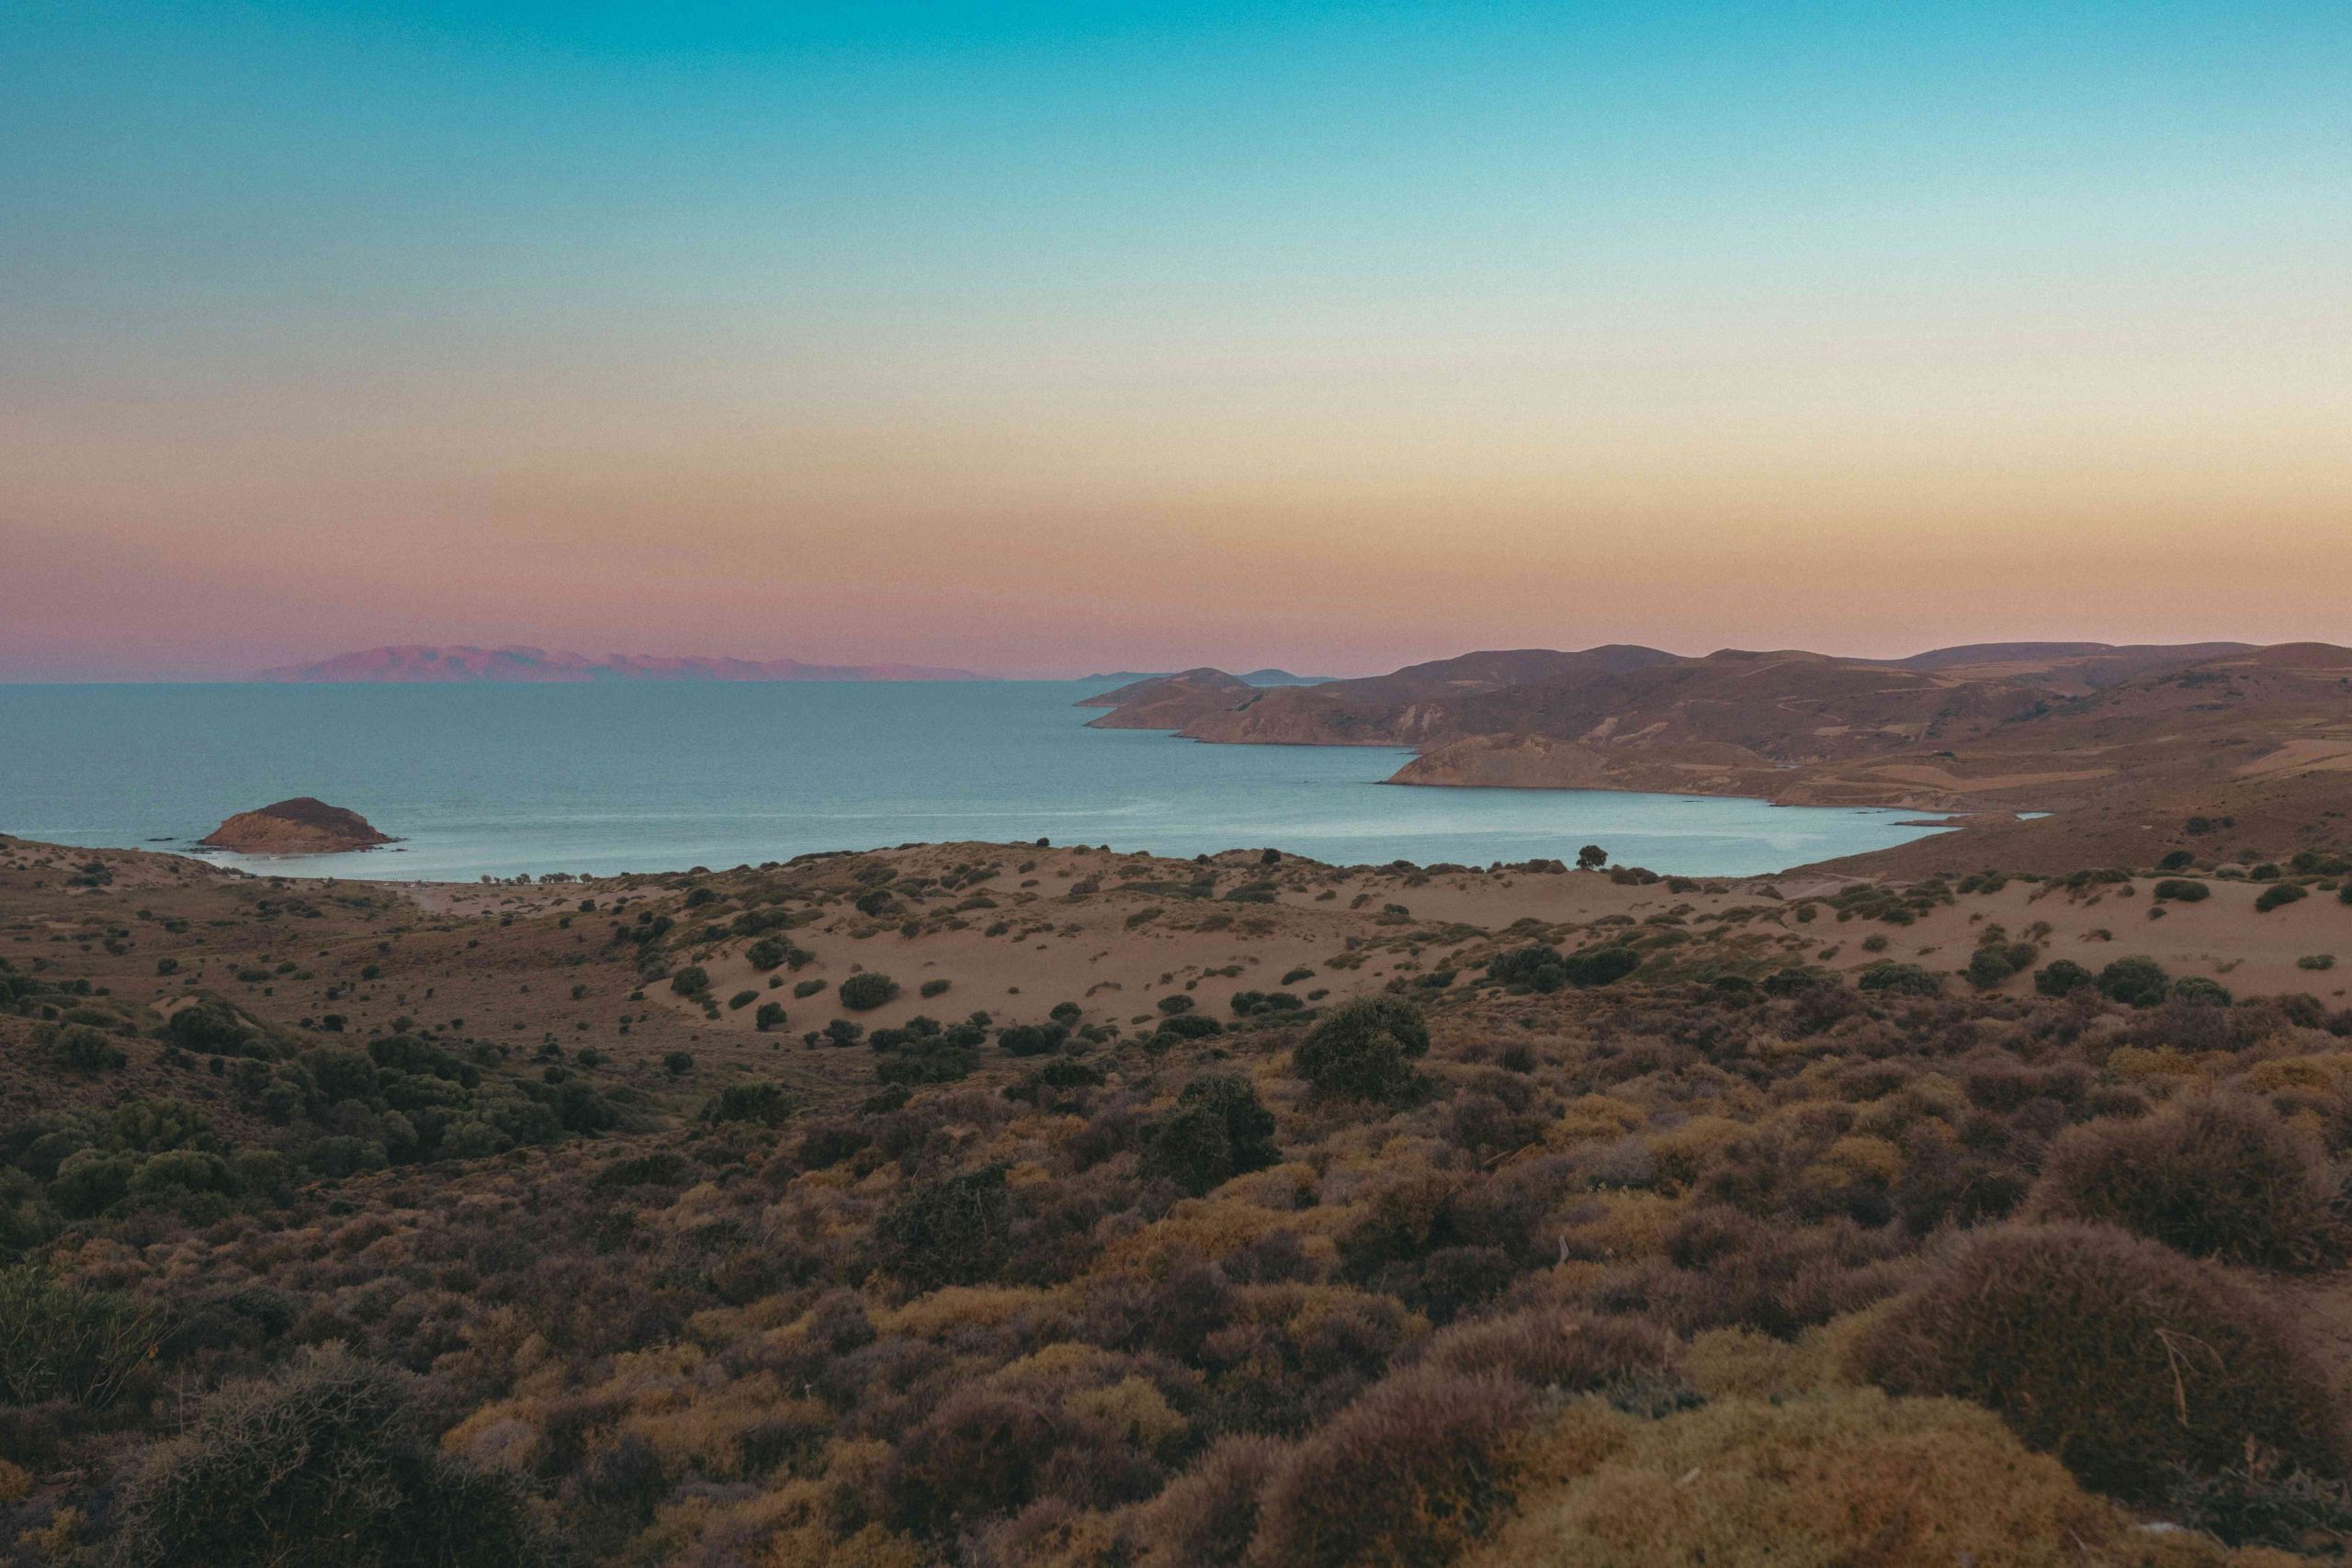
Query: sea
[499,781]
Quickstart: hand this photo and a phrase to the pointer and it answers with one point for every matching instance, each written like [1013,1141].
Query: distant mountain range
[1267,677]
[416,664]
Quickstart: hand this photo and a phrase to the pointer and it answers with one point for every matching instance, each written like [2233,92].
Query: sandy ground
[522,963]
[1116,954]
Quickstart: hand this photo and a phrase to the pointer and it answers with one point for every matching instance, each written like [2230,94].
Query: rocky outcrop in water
[298,826]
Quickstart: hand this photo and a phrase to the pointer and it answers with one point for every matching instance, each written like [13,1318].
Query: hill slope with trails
[1017,1204]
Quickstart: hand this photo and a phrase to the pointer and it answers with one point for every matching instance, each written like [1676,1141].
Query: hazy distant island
[416,663]
[1267,677]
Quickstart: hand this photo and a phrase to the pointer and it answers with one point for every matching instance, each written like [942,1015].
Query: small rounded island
[298,826]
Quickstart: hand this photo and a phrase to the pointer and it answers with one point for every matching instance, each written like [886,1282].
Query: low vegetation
[1598,1249]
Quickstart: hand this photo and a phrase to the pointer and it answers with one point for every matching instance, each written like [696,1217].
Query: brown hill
[298,826]
[2072,668]
[1412,707]
[2142,739]
[1168,702]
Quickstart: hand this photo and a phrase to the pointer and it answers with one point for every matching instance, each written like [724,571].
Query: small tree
[1535,966]
[2137,982]
[2063,977]
[1218,1131]
[864,992]
[1592,857]
[1600,965]
[82,1049]
[1364,1049]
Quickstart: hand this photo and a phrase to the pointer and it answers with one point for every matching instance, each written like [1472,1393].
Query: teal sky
[1047,338]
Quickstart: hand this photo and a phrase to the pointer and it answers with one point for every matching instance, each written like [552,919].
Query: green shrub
[1992,965]
[2137,982]
[326,1465]
[803,989]
[2063,977]
[742,999]
[2316,960]
[1031,1038]
[1364,1049]
[2197,988]
[2180,890]
[1599,966]
[768,1104]
[661,1168]
[766,953]
[1254,1004]
[78,1048]
[933,988]
[58,1341]
[1187,1026]
[690,981]
[210,1027]
[955,1230]
[770,1016]
[864,991]
[2215,1176]
[1537,966]
[1217,1131]
[1901,979]
[2175,860]
[2123,1358]
[2281,894]
[90,1181]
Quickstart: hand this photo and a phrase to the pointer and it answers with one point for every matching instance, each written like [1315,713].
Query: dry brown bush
[2216,1176]
[1549,1349]
[1407,1476]
[1847,1480]
[2120,1357]
[1207,1515]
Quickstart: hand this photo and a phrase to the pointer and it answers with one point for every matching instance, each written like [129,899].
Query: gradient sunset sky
[1045,339]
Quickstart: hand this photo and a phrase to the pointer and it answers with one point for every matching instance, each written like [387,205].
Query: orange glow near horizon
[1863,346]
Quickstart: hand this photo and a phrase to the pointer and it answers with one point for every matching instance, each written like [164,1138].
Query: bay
[500,780]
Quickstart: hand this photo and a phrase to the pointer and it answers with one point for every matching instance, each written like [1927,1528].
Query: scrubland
[1247,1211]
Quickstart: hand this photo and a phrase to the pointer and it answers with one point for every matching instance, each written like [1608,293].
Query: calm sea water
[500,780]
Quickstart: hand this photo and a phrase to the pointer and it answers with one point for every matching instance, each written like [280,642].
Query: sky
[1048,339]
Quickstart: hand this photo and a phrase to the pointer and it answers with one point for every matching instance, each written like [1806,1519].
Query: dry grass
[1847,1480]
